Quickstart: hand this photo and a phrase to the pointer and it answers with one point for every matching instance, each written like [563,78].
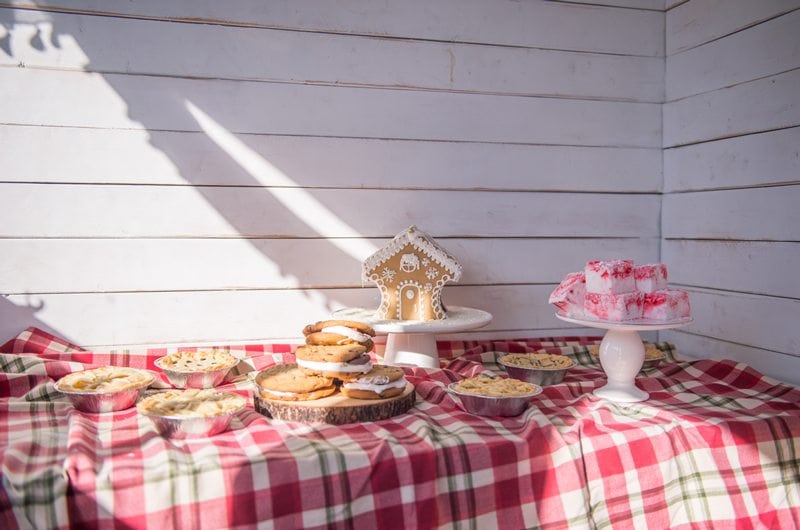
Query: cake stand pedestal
[622,354]
[413,342]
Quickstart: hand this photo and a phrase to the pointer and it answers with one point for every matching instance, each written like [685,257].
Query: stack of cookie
[337,349]
[335,355]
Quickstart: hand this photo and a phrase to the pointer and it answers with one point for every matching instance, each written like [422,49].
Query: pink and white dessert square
[569,294]
[650,278]
[614,307]
[666,304]
[610,277]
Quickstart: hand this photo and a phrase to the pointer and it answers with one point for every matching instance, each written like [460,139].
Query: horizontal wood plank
[757,106]
[753,320]
[537,24]
[79,265]
[655,5]
[116,45]
[754,160]
[38,97]
[744,266]
[782,367]
[746,214]
[181,158]
[763,50]
[55,210]
[699,21]
[672,4]
[254,316]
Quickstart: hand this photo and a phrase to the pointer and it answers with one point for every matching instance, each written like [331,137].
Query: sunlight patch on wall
[286,191]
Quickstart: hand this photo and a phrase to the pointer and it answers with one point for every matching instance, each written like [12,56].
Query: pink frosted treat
[569,294]
[610,277]
[666,304]
[650,278]
[614,307]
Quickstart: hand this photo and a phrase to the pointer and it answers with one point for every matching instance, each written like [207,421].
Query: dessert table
[716,445]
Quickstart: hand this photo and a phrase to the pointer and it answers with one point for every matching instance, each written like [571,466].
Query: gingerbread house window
[410,273]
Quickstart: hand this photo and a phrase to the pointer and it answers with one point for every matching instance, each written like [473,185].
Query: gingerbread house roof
[420,241]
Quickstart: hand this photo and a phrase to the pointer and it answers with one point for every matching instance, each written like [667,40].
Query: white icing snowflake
[431,273]
[428,287]
[388,274]
[425,262]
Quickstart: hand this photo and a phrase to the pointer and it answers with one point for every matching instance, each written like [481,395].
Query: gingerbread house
[411,272]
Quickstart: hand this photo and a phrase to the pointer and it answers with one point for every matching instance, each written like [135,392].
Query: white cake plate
[413,342]
[622,353]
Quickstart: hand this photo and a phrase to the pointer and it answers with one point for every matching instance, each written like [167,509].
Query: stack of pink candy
[617,291]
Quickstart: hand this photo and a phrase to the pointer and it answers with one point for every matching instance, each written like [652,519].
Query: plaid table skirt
[715,446]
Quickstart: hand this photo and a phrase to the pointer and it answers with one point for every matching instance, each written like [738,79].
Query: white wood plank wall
[203,171]
[731,225]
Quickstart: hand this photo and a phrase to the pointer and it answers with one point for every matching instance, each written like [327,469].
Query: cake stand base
[417,349]
[413,342]
[622,354]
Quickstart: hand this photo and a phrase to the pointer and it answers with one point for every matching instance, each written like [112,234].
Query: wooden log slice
[337,409]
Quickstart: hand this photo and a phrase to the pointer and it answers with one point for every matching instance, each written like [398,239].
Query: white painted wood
[536,23]
[159,157]
[126,101]
[760,51]
[760,105]
[752,160]
[155,211]
[104,44]
[160,237]
[749,214]
[671,4]
[223,316]
[82,266]
[782,367]
[741,258]
[656,5]
[753,320]
[745,266]
[699,21]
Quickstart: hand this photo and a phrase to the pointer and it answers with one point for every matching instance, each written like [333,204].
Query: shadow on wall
[190,118]
[16,318]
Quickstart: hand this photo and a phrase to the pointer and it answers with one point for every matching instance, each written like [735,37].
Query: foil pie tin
[491,405]
[196,378]
[537,376]
[180,427]
[101,402]
[652,362]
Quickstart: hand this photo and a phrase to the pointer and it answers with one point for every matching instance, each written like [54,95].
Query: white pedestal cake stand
[622,354]
[413,342]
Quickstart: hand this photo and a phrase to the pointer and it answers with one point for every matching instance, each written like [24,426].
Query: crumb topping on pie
[494,387]
[197,361]
[651,352]
[196,403]
[537,361]
[105,379]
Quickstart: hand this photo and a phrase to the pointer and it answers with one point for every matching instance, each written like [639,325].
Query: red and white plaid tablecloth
[717,445]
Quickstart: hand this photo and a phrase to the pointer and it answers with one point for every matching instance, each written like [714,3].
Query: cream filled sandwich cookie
[379,383]
[353,325]
[339,332]
[342,362]
[287,382]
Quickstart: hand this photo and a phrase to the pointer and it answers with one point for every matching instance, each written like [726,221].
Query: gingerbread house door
[409,301]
